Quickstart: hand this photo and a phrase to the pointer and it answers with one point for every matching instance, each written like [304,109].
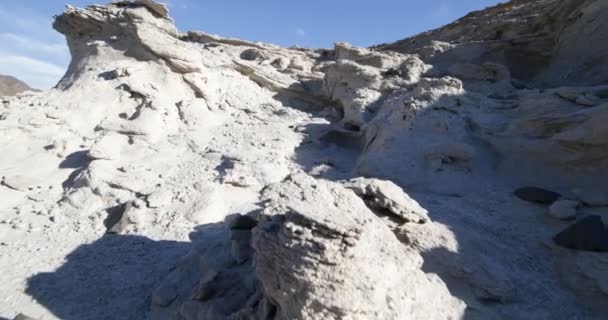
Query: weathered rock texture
[10,86]
[318,252]
[343,183]
[542,42]
[320,255]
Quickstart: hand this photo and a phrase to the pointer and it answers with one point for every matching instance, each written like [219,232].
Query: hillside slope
[10,86]
[176,175]
[544,43]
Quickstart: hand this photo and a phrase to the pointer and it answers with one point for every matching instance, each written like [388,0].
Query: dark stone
[243,222]
[587,234]
[117,219]
[21,316]
[251,54]
[537,195]
[107,75]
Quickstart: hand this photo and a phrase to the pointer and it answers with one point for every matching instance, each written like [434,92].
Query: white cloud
[37,73]
[300,32]
[15,41]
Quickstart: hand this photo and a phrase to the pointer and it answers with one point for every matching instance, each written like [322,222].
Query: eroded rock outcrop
[387,197]
[543,42]
[320,253]
[324,255]
[156,132]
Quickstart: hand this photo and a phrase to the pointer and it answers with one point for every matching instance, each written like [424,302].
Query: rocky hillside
[176,175]
[10,86]
[544,43]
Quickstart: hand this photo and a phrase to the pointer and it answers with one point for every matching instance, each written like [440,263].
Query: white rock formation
[385,195]
[324,255]
[318,250]
[162,138]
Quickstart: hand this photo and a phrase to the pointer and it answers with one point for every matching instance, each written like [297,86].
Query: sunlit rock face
[454,174]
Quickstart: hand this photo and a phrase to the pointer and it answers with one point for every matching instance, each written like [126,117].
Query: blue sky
[32,51]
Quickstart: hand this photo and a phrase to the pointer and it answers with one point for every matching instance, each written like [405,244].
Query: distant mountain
[10,86]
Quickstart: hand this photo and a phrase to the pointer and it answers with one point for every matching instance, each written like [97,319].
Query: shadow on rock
[110,278]
[75,160]
[328,151]
[79,161]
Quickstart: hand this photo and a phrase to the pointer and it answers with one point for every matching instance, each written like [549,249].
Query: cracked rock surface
[451,175]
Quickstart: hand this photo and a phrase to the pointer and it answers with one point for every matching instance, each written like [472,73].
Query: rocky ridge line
[10,86]
[293,164]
